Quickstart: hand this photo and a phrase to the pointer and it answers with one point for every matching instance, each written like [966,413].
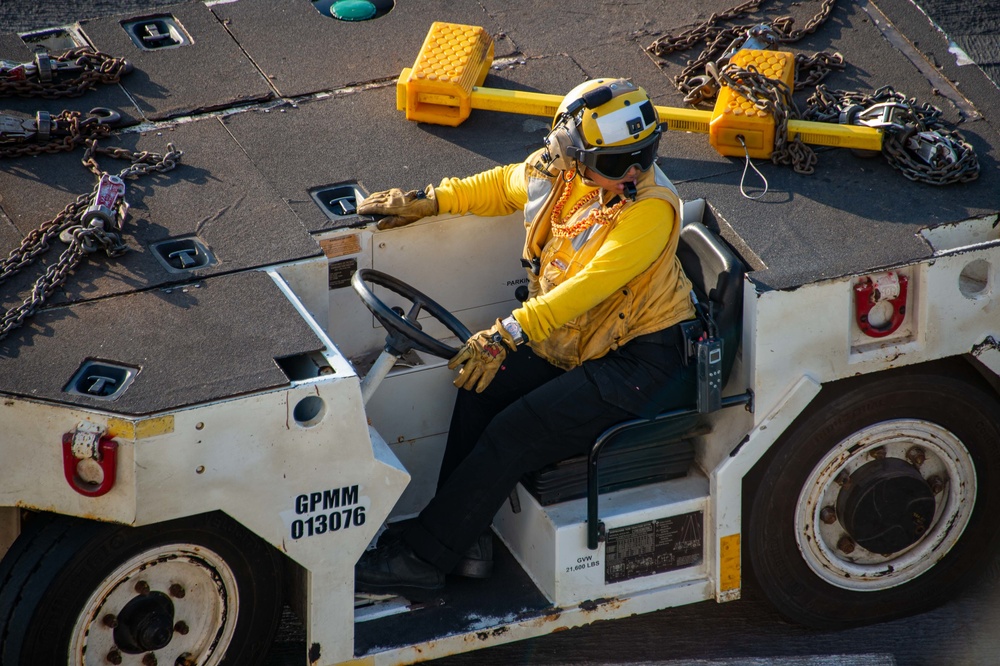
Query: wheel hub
[172,604]
[145,623]
[886,506]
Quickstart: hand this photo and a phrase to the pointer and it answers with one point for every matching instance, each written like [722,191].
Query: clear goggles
[614,163]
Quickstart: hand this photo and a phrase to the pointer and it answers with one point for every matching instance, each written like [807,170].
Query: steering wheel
[406,325]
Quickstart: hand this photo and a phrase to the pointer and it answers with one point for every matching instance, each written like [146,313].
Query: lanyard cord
[749,164]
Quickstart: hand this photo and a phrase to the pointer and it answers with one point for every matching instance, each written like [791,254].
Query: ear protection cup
[562,144]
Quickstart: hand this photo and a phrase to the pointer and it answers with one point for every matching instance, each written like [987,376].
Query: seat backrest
[716,274]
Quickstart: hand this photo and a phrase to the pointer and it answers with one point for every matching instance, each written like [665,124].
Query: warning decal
[341,272]
[653,547]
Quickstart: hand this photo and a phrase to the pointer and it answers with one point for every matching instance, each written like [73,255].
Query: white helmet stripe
[621,124]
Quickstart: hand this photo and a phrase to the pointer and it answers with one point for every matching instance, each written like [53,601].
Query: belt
[672,335]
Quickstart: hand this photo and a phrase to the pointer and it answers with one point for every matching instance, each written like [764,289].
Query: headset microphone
[590,100]
[598,96]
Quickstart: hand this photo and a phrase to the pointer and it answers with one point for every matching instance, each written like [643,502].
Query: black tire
[64,577]
[931,532]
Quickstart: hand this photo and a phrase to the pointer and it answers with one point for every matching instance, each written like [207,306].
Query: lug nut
[843,478]
[916,456]
[185,659]
[828,515]
[149,659]
[114,657]
[176,591]
[142,587]
[877,453]
[936,483]
[110,621]
[846,544]
[181,628]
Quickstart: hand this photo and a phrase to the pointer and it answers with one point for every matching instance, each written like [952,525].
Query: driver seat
[643,451]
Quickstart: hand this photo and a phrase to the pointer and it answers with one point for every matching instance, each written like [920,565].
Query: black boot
[477,562]
[396,569]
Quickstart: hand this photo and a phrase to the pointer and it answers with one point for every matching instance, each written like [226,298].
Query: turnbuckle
[16,130]
[102,212]
[761,37]
[42,127]
[879,116]
[101,223]
[935,149]
[43,67]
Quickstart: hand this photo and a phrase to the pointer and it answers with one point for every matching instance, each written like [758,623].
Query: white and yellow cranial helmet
[608,125]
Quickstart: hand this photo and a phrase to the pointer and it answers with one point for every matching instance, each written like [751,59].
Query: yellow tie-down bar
[445,85]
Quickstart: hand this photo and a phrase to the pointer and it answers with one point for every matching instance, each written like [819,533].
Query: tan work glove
[482,357]
[401,208]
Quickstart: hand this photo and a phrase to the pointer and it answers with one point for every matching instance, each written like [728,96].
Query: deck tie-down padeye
[445,85]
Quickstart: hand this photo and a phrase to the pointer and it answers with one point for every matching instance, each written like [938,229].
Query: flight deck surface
[271,101]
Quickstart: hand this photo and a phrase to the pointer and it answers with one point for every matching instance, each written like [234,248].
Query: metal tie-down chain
[69,74]
[92,222]
[53,134]
[915,139]
[774,97]
[703,77]
[697,82]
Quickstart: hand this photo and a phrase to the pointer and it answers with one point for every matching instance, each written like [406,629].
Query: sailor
[596,342]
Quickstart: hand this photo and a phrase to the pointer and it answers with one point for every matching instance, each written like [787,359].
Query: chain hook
[105,116]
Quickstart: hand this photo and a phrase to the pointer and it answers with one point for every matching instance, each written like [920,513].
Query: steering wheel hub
[403,330]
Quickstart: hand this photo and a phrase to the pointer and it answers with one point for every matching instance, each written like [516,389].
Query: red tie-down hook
[90,460]
[886,294]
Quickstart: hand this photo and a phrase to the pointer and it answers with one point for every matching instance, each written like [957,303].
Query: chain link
[141,163]
[706,31]
[72,129]
[915,140]
[774,97]
[697,83]
[784,24]
[907,126]
[810,70]
[93,67]
[84,236]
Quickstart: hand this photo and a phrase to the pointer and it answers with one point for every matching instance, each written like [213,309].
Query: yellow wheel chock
[445,85]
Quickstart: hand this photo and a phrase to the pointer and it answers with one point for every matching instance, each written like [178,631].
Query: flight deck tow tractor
[163,517]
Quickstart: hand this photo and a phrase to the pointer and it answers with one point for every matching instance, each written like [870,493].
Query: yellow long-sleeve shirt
[640,236]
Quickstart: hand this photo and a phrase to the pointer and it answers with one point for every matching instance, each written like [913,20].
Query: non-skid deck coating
[272,100]
[179,339]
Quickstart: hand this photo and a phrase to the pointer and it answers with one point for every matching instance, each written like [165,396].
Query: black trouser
[533,414]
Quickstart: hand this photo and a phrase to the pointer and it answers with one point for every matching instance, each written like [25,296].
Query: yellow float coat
[610,283]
